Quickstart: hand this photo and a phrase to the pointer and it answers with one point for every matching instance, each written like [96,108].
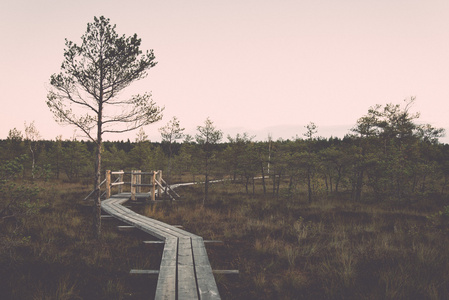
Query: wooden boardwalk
[185,271]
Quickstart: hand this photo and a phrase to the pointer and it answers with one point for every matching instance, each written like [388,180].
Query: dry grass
[51,253]
[284,249]
[324,250]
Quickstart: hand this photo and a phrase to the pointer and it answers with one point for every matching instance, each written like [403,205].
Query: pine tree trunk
[263,180]
[206,182]
[97,203]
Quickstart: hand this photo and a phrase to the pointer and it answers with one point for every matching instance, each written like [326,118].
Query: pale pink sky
[261,67]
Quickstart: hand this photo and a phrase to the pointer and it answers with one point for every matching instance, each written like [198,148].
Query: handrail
[87,197]
[156,183]
[169,187]
[117,173]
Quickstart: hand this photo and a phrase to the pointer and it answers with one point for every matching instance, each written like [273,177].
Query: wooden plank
[135,218]
[126,228]
[117,172]
[207,286]
[187,288]
[226,272]
[199,252]
[142,184]
[154,223]
[154,242]
[169,257]
[213,242]
[166,283]
[152,273]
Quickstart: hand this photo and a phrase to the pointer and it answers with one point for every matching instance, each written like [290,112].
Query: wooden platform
[185,271]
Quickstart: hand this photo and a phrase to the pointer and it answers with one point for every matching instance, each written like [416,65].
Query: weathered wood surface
[185,271]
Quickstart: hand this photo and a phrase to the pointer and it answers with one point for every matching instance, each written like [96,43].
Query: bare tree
[85,93]
[309,159]
[206,136]
[170,133]
[141,136]
[32,137]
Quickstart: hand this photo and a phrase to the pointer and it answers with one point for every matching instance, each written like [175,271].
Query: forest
[364,216]
[387,156]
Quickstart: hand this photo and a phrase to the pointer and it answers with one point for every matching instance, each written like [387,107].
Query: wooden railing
[155,183]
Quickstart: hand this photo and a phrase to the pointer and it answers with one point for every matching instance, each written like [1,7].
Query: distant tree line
[387,156]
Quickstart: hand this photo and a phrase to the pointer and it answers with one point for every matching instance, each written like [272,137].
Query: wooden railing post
[120,187]
[108,184]
[153,191]
[159,179]
[133,187]
[138,181]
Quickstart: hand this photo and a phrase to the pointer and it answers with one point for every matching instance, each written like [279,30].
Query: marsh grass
[50,253]
[284,248]
[329,249]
